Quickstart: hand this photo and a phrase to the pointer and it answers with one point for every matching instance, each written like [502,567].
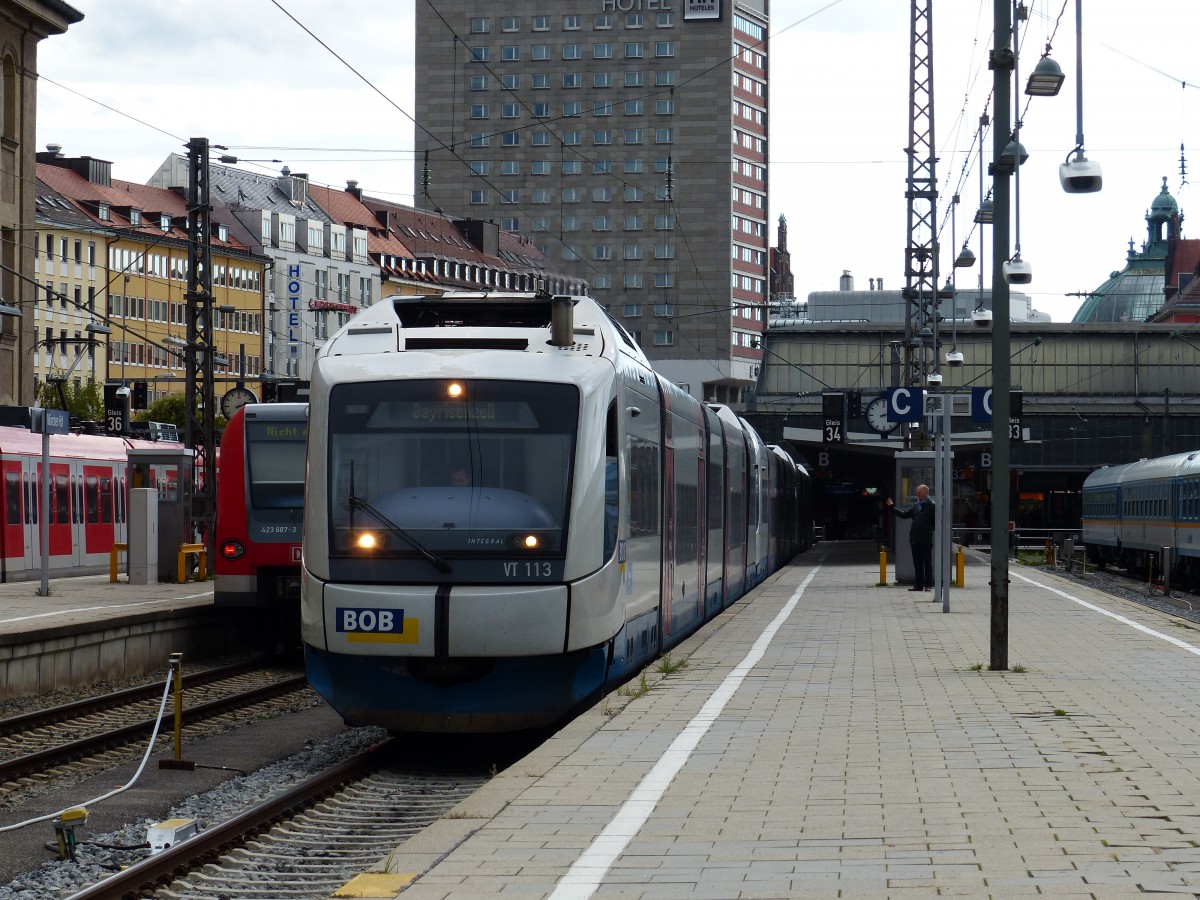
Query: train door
[62,543]
[12,532]
[96,510]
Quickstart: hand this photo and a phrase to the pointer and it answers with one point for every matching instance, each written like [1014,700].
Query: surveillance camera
[982,318]
[1080,176]
[954,358]
[1017,271]
[934,379]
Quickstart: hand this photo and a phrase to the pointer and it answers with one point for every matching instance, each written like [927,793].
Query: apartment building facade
[628,140]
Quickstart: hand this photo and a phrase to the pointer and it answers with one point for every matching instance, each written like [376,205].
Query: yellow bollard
[882,567]
[960,565]
[1049,552]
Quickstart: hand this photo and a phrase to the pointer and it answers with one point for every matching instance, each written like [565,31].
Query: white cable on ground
[136,775]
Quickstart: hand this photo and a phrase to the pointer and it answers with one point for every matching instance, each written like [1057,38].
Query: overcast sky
[136,78]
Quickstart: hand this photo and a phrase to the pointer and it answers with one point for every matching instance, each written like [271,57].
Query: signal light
[232,549]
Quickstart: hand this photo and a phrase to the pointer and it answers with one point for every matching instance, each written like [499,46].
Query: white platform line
[1183,645]
[586,874]
[83,609]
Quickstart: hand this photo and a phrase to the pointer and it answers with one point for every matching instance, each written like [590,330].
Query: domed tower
[1137,292]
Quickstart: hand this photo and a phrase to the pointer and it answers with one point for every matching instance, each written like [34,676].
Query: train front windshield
[275,464]
[450,469]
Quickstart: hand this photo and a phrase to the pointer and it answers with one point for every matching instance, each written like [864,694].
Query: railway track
[304,842]
[94,732]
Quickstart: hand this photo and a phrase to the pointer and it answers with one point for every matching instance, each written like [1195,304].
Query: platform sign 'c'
[905,404]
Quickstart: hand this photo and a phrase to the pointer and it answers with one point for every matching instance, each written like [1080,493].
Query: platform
[831,738]
[88,629]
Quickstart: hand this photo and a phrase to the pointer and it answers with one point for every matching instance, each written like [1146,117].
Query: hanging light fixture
[965,258]
[1046,79]
[986,212]
[7,309]
[1079,175]
[1013,155]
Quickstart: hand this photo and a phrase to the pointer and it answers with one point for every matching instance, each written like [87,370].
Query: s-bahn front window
[448,468]
[275,463]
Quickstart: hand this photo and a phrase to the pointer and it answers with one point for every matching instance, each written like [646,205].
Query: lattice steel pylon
[921,257]
[199,433]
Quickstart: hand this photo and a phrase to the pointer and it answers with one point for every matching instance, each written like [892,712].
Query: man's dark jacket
[922,515]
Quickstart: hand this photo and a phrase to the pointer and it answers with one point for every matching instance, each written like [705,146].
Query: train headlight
[367,540]
[531,542]
[232,549]
[455,390]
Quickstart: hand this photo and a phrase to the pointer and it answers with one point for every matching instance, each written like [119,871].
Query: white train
[507,512]
[1132,512]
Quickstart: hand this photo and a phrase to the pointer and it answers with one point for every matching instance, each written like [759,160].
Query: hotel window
[539,167]
[664,135]
[510,53]
[664,223]
[664,79]
[511,139]
[634,194]
[572,195]
[510,23]
[601,223]
[481,26]
[665,19]
[540,51]
[602,194]
[664,48]
[540,223]
[541,110]
[510,82]
[601,281]
[634,20]
[479,139]
[633,280]
[541,139]
[633,166]
[479,83]
[541,81]
[571,51]
[633,251]
[631,310]
[572,80]
[635,79]
[664,107]
[510,224]
[510,167]
[572,167]
[601,252]
[572,108]
[512,196]
[663,309]
[541,195]
[602,167]
[633,222]
[602,51]
[603,109]
[571,223]
[634,107]
[660,193]
[479,111]
[602,21]
[662,164]
[571,138]
[602,136]
[664,251]
[571,252]
[633,135]
[481,54]
[541,23]
[510,111]
[664,339]
[572,23]
[664,280]
[634,50]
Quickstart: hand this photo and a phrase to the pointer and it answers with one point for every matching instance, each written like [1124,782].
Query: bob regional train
[507,512]
[1132,512]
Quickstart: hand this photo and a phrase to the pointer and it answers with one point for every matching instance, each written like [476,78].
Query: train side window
[91,492]
[612,481]
[120,499]
[77,490]
[62,500]
[32,501]
[12,498]
[106,500]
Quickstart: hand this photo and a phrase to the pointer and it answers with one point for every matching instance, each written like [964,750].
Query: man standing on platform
[920,536]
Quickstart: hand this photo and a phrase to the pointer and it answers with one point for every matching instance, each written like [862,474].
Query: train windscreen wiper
[359,503]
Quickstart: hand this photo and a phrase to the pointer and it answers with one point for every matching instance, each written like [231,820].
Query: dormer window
[135,216]
[222,233]
[164,222]
[102,212]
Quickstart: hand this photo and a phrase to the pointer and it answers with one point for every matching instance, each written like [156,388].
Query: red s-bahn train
[260,513]
[88,501]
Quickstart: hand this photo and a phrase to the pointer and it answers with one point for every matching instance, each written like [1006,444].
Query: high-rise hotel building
[628,139]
